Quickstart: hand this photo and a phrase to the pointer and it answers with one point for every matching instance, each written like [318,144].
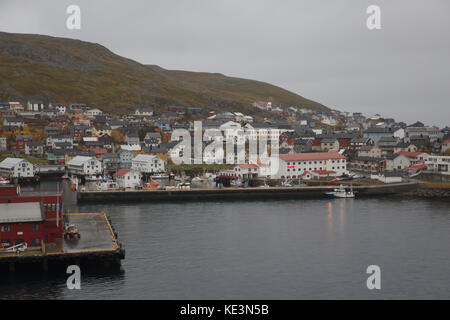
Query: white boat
[65,177]
[185,185]
[160,176]
[107,185]
[4,181]
[91,178]
[341,193]
[236,183]
[197,179]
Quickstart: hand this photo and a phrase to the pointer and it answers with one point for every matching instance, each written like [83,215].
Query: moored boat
[341,193]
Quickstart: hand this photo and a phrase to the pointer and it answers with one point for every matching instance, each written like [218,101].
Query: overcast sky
[321,50]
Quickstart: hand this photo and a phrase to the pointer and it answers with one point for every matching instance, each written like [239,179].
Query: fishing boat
[197,179]
[152,185]
[65,176]
[160,176]
[341,193]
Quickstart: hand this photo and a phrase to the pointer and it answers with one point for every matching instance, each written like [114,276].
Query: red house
[31,216]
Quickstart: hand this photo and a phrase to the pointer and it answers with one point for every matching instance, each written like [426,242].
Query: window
[6,228]
[35,241]
[34,227]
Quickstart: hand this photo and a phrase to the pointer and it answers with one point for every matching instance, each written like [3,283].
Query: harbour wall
[310,192]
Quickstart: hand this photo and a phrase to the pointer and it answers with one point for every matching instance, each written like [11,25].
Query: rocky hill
[74,71]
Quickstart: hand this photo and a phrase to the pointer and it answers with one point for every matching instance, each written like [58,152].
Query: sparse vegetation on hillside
[73,71]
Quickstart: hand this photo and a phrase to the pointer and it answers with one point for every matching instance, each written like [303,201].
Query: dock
[98,245]
[307,192]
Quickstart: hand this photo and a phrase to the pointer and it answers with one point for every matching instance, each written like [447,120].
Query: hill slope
[74,71]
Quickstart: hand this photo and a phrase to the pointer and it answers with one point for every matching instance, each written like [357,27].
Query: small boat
[65,177]
[197,179]
[91,178]
[107,185]
[236,183]
[4,181]
[160,176]
[341,193]
[185,185]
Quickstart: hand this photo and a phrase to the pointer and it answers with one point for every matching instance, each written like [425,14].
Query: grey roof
[9,163]
[387,139]
[34,144]
[21,212]
[79,160]
[371,159]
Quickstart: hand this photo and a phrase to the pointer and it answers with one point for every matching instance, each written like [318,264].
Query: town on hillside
[133,151]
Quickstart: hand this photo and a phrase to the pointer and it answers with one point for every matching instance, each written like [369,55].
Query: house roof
[311,156]
[9,163]
[324,171]
[122,172]
[417,166]
[370,159]
[79,160]
[145,157]
[21,212]
[446,142]
[410,154]
[247,166]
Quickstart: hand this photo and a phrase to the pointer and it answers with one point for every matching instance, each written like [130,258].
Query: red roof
[247,166]
[316,142]
[410,154]
[98,150]
[417,166]
[122,172]
[312,156]
[323,171]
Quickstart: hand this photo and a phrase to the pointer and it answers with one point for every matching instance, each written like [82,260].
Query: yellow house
[101,130]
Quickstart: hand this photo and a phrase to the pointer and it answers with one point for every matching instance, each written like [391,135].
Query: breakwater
[308,192]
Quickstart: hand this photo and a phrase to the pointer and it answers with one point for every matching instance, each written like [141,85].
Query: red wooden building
[22,224]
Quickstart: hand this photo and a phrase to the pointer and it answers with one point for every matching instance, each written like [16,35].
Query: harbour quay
[36,232]
[230,194]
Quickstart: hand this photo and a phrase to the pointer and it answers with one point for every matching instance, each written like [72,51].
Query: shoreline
[309,192]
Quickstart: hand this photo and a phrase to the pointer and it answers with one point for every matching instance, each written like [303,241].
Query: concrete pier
[98,245]
[309,192]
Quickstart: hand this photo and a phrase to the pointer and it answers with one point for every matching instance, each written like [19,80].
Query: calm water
[266,250]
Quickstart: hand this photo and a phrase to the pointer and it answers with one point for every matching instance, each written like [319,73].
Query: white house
[127,178]
[439,164]
[91,113]
[294,165]
[387,177]
[16,168]
[246,171]
[82,165]
[35,106]
[144,112]
[147,163]
[397,161]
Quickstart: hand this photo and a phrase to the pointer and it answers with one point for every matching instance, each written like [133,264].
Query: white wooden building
[147,163]
[16,168]
[127,178]
[82,165]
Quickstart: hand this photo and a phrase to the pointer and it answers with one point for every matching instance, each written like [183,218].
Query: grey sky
[321,50]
